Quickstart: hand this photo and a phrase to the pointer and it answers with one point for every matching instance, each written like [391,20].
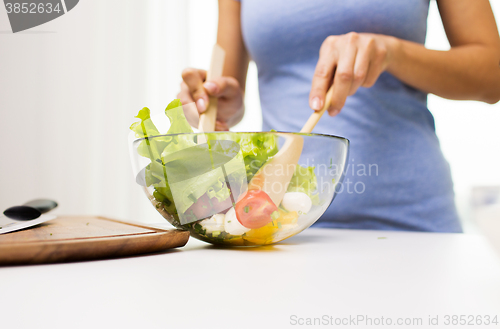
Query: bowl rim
[248,132]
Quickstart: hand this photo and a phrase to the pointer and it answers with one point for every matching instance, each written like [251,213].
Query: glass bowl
[206,185]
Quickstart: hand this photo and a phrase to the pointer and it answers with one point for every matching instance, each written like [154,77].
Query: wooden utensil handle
[207,119]
[314,118]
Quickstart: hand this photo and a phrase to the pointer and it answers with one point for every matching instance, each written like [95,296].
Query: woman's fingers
[185,95]
[344,74]
[195,89]
[193,79]
[354,60]
[323,73]
[362,65]
[229,93]
[190,112]
[377,65]
[222,87]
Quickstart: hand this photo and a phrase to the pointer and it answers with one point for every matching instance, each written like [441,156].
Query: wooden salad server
[207,118]
[276,174]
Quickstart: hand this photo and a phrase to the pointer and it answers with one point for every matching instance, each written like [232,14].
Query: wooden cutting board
[75,238]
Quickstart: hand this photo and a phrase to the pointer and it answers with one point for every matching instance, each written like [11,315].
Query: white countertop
[320,272]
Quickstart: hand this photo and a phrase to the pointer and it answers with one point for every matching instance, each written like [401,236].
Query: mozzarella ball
[233,225]
[214,223]
[297,201]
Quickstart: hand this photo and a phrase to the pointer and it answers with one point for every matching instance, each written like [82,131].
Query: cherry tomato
[255,209]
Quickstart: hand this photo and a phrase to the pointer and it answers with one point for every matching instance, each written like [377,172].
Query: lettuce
[304,180]
[143,129]
[212,182]
[256,148]
[178,125]
[156,148]
[178,122]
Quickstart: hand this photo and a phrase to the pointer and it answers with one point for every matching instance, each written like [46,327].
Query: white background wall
[70,88]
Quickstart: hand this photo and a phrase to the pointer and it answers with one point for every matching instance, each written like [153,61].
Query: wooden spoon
[276,174]
[207,118]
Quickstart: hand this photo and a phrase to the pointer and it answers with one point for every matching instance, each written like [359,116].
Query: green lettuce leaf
[256,148]
[150,147]
[178,122]
[304,180]
[178,125]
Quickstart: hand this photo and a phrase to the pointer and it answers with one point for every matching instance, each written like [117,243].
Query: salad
[201,186]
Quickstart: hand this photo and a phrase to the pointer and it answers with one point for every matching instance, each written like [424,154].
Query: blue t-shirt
[397,177]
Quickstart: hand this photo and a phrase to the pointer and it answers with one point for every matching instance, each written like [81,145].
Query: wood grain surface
[75,238]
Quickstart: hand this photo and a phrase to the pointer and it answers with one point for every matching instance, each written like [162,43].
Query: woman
[372,52]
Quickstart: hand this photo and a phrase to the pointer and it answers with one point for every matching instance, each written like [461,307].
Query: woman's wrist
[394,53]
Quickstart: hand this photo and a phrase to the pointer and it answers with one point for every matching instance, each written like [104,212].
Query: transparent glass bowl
[199,183]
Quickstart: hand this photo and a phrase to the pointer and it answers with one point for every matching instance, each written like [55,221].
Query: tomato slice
[255,209]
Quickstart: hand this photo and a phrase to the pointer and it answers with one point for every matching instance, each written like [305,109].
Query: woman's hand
[351,61]
[194,88]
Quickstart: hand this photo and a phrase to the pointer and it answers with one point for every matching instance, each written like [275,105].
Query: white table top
[320,272]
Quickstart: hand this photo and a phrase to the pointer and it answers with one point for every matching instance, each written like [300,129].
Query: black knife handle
[22,213]
[30,210]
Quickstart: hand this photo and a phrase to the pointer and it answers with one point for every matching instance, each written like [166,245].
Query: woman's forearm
[229,37]
[465,72]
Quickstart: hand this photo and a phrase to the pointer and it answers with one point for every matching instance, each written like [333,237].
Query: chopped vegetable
[213,224]
[232,224]
[297,201]
[260,208]
[304,180]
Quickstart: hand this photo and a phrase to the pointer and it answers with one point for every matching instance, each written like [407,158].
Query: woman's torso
[397,177]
